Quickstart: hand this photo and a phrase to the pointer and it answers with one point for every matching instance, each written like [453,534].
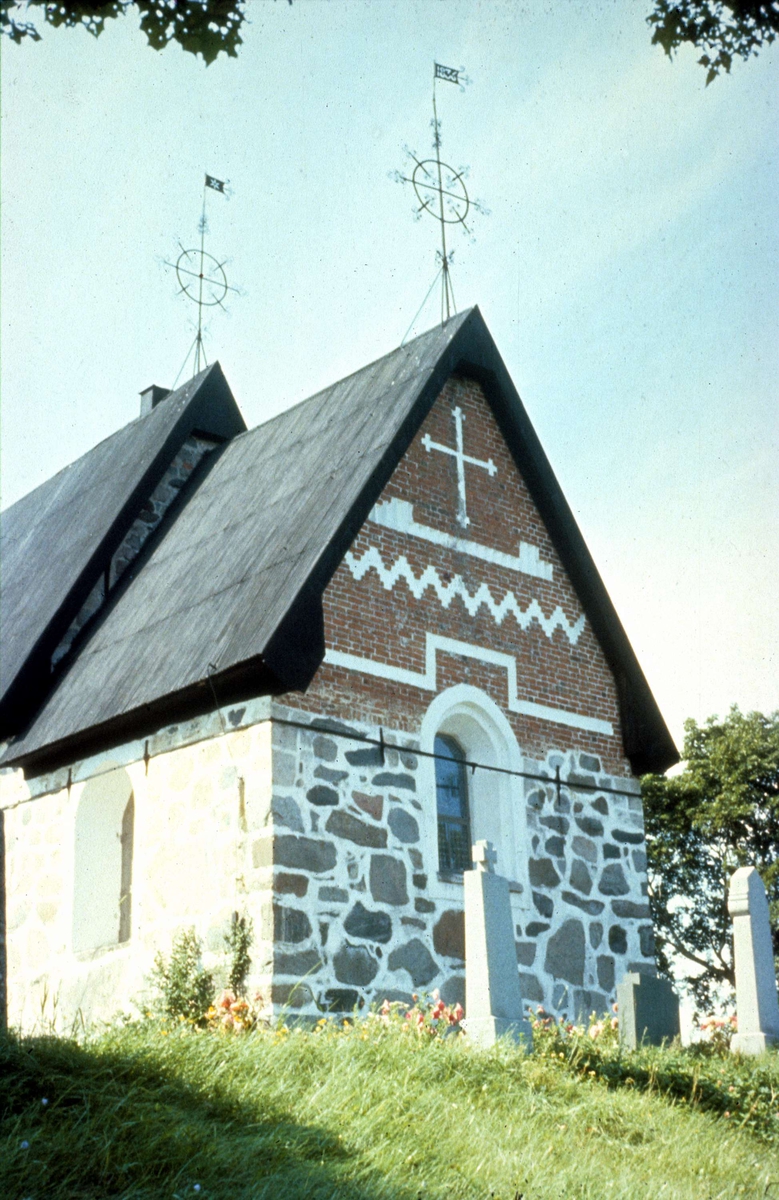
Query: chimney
[151,396]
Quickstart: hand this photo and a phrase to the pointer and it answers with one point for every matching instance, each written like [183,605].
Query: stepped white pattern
[401,569]
[399,515]
[436,644]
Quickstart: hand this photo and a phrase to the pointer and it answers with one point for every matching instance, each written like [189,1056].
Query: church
[294,673]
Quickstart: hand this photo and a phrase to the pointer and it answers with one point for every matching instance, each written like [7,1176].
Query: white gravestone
[756,1000]
[493,1000]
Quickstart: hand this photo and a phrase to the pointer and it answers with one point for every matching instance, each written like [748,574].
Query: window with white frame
[103,863]
[466,735]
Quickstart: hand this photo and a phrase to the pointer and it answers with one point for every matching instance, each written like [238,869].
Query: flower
[44,1100]
[25,1145]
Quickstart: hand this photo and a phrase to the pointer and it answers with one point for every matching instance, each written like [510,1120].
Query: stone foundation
[330,846]
[361,913]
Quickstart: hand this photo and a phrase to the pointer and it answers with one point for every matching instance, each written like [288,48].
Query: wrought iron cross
[458,453]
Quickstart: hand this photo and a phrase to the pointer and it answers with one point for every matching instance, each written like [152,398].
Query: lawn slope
[381,1115]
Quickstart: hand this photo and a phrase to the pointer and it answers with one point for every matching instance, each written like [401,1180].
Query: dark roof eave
[246,682]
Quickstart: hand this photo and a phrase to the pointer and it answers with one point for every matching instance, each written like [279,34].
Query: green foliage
[720,813]
[185,991]
[705,1075]
[366,1111]
[723,29]
[238,941]
[207,27]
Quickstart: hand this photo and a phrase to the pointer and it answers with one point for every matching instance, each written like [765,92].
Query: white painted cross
[462,458]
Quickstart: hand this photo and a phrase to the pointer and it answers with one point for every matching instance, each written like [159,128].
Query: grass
[373,1113]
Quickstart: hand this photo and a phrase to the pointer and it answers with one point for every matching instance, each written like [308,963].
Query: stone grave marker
[648,1010]
[493,999]
[756,1000]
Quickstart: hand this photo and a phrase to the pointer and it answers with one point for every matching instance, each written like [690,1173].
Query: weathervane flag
[450,74]
[216,184]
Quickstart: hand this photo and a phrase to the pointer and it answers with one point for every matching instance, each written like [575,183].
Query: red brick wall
[365,619]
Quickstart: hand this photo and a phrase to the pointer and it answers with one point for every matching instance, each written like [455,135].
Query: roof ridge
[200,377]
[353,374]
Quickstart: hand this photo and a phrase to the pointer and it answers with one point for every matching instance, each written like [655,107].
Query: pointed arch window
[454,824]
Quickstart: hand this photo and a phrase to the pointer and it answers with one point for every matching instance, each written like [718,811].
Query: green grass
[377,1114]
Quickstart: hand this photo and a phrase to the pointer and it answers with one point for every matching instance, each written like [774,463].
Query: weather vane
[202,279]
[442,193]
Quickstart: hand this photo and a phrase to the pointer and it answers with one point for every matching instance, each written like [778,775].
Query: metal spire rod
[442,193]
[202,280]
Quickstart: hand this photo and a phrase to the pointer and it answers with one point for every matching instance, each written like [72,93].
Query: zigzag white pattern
[401,569]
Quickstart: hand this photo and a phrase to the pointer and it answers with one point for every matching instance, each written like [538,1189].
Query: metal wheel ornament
[201,278]
[441,191]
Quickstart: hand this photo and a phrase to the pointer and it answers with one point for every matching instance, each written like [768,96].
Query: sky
[627,268]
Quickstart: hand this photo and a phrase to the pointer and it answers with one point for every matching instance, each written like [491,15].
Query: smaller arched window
[103,863]
[454,825]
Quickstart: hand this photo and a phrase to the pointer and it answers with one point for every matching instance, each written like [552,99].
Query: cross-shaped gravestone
[462,458]
[485,856]
[493,997]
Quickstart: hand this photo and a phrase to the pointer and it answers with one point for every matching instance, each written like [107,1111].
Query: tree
[723,29]
[207,27]
[721,812]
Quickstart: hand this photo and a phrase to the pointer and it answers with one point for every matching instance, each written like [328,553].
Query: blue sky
[627,269]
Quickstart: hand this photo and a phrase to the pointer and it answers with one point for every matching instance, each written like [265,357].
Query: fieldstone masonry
[356,879]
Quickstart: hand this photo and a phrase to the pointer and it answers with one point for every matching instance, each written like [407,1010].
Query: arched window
[464,725]
[126,877]
[454,826]
[103,863]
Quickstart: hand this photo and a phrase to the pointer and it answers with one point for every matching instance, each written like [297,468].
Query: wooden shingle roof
[55,541]
[228,600]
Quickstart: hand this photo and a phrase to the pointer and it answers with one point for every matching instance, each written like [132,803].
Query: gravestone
[756,1000]
[648,1010]
[493,999]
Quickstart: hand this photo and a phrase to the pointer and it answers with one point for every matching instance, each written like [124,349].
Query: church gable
[454,579]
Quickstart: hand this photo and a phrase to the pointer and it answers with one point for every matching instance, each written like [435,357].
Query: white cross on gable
[462,458]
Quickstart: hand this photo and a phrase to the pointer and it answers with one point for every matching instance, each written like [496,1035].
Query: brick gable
[400,598]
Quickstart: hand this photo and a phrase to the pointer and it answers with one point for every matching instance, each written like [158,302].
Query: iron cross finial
[442,193]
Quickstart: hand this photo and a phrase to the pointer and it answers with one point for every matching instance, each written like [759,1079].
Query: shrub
[238,941]
[185,990]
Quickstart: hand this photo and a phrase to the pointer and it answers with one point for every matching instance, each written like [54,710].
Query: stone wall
[361,913]
[297,822]
[197,808]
